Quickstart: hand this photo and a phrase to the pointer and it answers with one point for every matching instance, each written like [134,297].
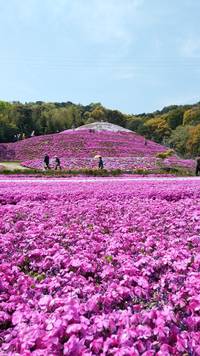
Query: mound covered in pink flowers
[106,268]
[81,144]
[77,149]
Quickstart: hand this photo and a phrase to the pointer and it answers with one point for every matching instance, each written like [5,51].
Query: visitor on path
[46,162]
[145,142]
[198,166]
[100,162]
[57,162]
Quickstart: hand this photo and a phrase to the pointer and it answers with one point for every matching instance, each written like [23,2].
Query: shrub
[63,173]
[141,171]
[165,154]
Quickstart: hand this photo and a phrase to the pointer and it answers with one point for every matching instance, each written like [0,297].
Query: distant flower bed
[176,161]
[100,268]
[110,163]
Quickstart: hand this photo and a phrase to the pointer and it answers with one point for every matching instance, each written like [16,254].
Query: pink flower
[73,347]
[97,345]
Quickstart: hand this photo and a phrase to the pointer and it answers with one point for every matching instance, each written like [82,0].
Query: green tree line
[175,126]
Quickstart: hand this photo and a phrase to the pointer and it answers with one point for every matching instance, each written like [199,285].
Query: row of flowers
[106,268]
[111,163]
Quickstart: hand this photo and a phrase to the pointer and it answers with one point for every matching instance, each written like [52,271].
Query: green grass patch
[177,171]
[63,173]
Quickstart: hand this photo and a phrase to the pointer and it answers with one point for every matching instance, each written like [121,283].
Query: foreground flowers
[100,268]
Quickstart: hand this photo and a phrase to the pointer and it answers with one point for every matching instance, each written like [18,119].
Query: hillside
[175,126]
[77,148]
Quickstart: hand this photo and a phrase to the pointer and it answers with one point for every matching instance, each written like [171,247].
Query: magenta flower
[107,267]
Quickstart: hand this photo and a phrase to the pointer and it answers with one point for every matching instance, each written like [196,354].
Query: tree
[134,124]
[7,130]
[4,106]
[90,120]
[98,114]
[175,118]
[75,116]
[158,128]
[179,138]
[193,143]
[192,117]
[22,116]
[115,117]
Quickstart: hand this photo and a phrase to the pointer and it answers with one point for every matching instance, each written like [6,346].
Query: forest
[175,126]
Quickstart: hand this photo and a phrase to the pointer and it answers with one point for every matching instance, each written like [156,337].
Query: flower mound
[76,149]
[100,269]
[80,144]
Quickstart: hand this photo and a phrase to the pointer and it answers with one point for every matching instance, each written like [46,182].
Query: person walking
[197,166]
[46,162]
[100,163]
[57,162]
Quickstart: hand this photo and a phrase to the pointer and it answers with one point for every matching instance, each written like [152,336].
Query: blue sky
[132,55]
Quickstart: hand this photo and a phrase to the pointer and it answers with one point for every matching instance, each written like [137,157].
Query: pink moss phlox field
[112,163]
[107,268]
[80,144]
[76,149]
[123,163]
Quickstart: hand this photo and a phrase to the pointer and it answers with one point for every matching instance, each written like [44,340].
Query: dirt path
[12,165]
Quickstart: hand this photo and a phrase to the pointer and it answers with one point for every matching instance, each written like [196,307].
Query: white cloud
[82,33]
[100,21]
[91,21]
[191,47]
[125,76]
